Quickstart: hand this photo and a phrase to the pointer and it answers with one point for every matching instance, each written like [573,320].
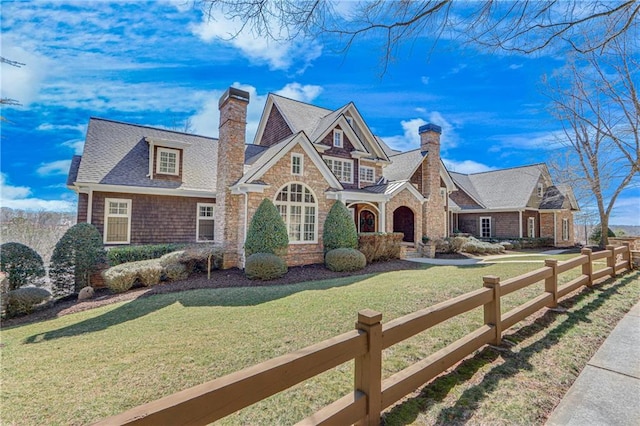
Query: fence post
[627,254]
[587,268]
[368,367]
[611,261]
[551,283]
[492,315]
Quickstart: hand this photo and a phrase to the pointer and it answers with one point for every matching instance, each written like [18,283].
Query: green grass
[80,368]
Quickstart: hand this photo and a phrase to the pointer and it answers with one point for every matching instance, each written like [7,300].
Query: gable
[275,129]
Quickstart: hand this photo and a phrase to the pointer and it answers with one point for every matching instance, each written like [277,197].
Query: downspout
[244,231]
[555,230]
[383,216]
[520,222]
[89,205]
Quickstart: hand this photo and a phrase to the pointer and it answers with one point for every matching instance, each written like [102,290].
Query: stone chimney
[433,214]
[230,167]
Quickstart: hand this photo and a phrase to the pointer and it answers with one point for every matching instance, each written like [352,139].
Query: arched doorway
[403,221]
[367,221]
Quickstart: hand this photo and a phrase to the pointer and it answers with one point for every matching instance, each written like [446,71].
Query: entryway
[403,221]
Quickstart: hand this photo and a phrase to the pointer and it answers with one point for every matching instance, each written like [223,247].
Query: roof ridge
[150,127]
[301,102]
[505,169]
[404,152]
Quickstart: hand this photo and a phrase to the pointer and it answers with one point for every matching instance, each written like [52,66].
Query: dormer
[166,158]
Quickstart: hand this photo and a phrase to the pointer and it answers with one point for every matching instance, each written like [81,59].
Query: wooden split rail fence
[218,398]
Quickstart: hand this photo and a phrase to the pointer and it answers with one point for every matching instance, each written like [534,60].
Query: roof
[117,153]
[299,115]
[403,165]
[558,197]
[73,170]
[501,189]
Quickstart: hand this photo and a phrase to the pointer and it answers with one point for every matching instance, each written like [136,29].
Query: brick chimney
[231,141]
[433,215]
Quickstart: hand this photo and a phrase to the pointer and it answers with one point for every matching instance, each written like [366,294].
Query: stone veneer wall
[433,213]
[405,198]
[154,218]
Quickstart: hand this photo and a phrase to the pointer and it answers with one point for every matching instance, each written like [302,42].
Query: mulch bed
[219,279]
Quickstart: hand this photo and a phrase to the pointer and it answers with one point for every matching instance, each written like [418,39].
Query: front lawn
[82,367]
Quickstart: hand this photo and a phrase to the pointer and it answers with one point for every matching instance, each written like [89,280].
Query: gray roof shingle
[73,170]
[403,165]
[299,115]
[117,153]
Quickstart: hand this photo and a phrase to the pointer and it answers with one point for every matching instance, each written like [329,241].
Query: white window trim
[107,216]
[373,173]
[301,157]
[540,190]
[288,204]
[531,227]
[169,151]
[343,160]
[198,218]
[490,226]
[565,226]
[341,134]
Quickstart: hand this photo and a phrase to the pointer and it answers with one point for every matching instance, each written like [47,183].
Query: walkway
[503,258]
[607,391]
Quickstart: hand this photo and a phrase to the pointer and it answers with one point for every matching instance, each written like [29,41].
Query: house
[140,185]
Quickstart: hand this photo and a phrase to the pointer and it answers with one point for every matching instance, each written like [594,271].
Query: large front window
[343,169]
[485,227]
[117,221]
[299,210]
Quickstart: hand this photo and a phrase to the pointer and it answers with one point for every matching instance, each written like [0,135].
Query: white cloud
[60,167]
[19,197]
[410,139]
[206,120]
[47,127]
[466,166]
[22,83]
[515,66]
[626,211]
[279,55]
[424,79]
[76,144]
[529,141]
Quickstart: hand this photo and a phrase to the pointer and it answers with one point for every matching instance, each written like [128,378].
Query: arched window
[299,210]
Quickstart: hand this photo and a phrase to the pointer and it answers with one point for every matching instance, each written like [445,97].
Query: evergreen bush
[596,234]
[118,255]
[23,265]
[264,266]
[345,260]
[339,229]
[23,300]
[78,254]
[267,232]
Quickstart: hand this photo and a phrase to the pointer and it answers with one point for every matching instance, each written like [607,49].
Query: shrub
[339,229]
[23,265]
[175,272]
[119,278]
[122,277]
[23,300]
[475,246]
[196,258]
[75,257]
[345,259]
[450,244]
[118,255]
[267,232]
[596,234]
[380,246]
[264,266]
[149,271]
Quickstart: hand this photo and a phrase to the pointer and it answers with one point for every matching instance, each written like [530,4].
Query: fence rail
[218,398]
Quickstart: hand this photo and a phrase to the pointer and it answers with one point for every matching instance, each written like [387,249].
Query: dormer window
[168,161]
[337,138]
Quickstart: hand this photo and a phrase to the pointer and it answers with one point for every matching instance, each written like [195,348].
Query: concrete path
[607,391]
[485,259]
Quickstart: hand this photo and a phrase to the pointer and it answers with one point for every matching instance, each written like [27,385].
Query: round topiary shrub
[267,232]
[119,278]
[339,229]
[23,265]
[75,257]
[345,260]
[264,266]
[22,301]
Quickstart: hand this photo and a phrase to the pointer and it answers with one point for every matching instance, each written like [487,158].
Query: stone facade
[433,211]
[407,199]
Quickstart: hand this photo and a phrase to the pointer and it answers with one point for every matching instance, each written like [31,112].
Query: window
[117,221]
[299,210]
[205,222]
[485,227]
[168,161]
[337,138]
[296,164]
[565,229]
[343,169]
[443,194]
[367,174]
[540,190]
[531,227]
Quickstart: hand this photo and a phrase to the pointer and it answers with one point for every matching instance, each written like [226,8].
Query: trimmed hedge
[23,300]
[380,246]
[345,260]
[118,255]
[264,266]
[122,277]
[76,256]
[267,232]
[339,229]
[475,246]
[22,264]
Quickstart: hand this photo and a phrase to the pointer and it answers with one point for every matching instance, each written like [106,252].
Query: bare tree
[595,99]
[520,26]
[9,101]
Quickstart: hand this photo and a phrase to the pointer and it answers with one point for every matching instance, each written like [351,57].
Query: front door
[367,221]
[403,222]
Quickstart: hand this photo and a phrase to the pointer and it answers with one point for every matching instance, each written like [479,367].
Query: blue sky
[161,63]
